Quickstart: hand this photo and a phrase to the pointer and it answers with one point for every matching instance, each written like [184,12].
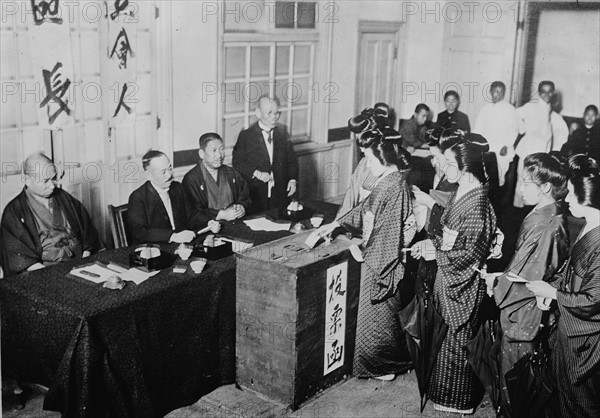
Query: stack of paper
[133,274]
[263,224]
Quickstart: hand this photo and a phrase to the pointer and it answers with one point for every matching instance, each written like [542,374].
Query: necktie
[270,137]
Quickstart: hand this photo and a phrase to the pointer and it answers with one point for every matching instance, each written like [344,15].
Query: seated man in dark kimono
[215,192]
[156,211]
[44,225]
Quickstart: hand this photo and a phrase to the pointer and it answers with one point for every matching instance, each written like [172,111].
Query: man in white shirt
[157,209]
[499,124]
[543,130]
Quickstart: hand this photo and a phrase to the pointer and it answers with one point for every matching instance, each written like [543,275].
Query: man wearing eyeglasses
[44,225]
[266,159]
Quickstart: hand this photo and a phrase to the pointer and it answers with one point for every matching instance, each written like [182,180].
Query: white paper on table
[102,272]
[263,224]
[136,275]
[237,246]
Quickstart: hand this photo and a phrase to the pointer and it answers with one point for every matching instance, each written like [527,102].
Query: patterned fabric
[542,249]
[380,348]
[458,293]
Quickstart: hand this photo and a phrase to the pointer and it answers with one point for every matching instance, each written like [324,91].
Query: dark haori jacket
[542,249]
[454,120]
[147,216]
[250,154]
[21,245]
[194,183]
[578,300]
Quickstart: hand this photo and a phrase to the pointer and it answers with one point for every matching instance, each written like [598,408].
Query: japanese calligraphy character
[336,354]
[43,8]
[336,286]
[335,319]
[122,102]
[121,48]
[56,89]
[120,5]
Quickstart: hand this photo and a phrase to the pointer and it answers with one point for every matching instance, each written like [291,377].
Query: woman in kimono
[542,249]
[469,225]
[362,181]
[439,140]
[387,225]
[576,342]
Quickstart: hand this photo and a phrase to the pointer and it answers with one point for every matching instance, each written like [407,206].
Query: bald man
[265,157]
[44,225]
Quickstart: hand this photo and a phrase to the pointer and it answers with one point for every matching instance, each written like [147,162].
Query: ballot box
[295,317]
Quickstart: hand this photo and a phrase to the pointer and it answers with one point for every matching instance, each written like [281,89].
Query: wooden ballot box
[296,317]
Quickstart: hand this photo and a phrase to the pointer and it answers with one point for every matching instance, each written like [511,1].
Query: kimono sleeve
[581,310]
[17,256]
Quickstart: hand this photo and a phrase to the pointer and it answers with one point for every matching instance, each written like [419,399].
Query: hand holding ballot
[424,249]
[543,292]
[327,229]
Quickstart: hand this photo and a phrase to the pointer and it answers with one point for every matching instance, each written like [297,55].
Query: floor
[351,398]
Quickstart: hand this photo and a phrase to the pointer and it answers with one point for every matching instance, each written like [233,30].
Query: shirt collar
[264,127]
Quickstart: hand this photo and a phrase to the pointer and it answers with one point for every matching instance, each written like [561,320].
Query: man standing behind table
[215,191]
[156,211]
[44,225]
[452,118]
[414,139]
[585,139]
[266,159]
[499,124]
[543,130]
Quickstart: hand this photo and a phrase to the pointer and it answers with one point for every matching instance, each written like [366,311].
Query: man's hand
[214,226]
[262,176]
[85,254]
[233,212]
[35,266]
[183,237]
[291,188]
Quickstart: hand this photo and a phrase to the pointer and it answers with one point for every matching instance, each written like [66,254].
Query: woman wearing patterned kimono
[387,225]
[469,225]
[440,140]
[542,249]
[576,342]
[362,181]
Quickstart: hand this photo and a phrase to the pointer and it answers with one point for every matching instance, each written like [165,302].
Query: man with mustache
[214,191]
[157,210]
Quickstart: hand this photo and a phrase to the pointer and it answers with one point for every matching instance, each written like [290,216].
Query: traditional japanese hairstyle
[386,145]
[367,120]
[443,138]
[585,178]
[469,155]
[549,168]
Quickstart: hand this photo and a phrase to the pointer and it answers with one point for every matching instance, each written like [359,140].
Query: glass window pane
[254,89]
[306,16]
[231,130]
[281,91]
[299,120]
[234,97]
[284,14]
[260,61]
[299,92]
[302,59]
[235,62]
[283,119]
[282,60]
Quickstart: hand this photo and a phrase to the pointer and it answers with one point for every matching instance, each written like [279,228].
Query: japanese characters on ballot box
[296,307]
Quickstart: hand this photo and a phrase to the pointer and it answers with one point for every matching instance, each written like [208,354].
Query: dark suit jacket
[197,195]
[147,217]
[21,246]
[250,154]
[456,120]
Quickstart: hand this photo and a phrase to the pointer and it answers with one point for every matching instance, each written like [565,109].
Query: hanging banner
[50,40]
[335,317]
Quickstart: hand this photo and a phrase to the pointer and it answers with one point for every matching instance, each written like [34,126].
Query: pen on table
[406,250]
[89,273]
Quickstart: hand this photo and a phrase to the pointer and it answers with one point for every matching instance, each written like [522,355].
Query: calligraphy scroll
[50,39]
[335,317]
